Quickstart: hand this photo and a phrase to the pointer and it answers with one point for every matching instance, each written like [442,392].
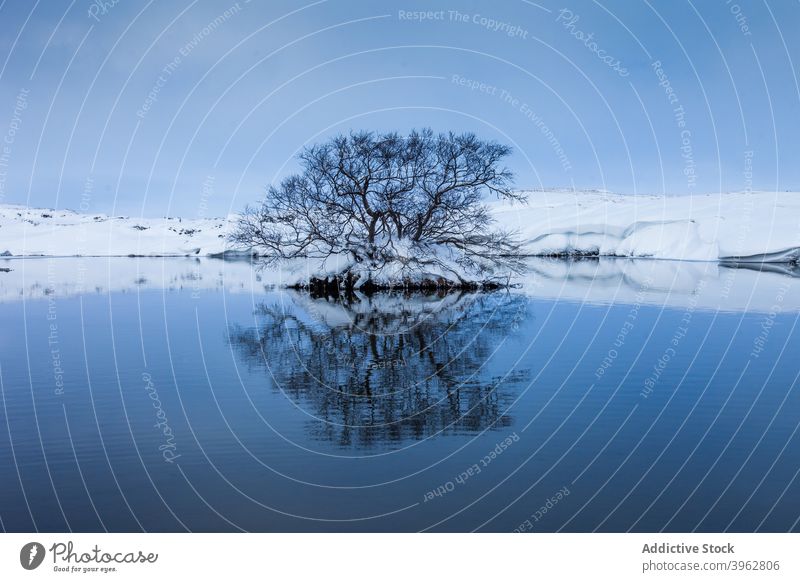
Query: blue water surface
[184,404]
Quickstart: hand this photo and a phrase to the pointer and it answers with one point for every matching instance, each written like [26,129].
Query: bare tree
[413,202]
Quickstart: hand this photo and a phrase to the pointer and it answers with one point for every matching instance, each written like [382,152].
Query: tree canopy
[414,201]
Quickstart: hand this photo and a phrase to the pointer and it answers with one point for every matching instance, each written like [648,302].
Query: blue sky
[191,108]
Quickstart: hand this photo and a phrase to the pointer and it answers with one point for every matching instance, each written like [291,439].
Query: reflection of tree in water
[390,366]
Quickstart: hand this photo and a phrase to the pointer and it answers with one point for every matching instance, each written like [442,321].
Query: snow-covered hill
[748,226]
[41,232]
[751,226]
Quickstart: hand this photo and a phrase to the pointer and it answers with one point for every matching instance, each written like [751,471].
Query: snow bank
[42,232]
[749,226]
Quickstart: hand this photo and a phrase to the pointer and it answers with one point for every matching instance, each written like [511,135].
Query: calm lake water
[178,394]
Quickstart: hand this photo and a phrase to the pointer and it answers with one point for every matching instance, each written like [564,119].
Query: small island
[384,212]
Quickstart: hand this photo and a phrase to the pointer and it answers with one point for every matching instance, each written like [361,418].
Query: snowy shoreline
[760,227]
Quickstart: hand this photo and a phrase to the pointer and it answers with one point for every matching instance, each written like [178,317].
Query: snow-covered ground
[752,226]
[63,233]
